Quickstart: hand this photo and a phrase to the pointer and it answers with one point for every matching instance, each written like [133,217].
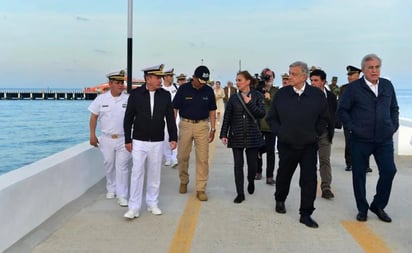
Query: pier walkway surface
[95,224]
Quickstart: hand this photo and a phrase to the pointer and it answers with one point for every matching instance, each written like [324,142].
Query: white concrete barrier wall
[403,137]
[33,193]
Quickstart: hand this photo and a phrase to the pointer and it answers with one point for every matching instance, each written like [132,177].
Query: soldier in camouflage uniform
[334,87]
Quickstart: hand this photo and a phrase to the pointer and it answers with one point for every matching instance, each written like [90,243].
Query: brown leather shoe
[201,195]
[183,188]
[270,181]
[327,194]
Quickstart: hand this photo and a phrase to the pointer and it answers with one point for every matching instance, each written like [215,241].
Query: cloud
[82,19]
[101,51]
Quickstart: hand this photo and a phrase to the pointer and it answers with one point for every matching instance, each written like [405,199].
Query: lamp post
[129,45]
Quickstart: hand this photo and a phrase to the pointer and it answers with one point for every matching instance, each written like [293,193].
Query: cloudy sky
[63,44]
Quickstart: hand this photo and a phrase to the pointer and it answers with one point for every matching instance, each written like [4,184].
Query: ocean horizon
[35,129]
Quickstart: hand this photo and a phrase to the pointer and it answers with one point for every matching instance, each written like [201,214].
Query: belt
[194,121]
[114,136]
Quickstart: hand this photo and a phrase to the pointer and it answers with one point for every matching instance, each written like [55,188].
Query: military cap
[202,73]
[169,72]
[351,70]
[312,68]
[154,70]
[334,78]
[181,77]
[285,76]
[117,75]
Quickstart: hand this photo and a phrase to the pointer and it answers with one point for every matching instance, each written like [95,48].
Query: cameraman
[268,90]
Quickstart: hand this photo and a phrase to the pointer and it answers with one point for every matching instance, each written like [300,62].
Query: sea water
[34,129]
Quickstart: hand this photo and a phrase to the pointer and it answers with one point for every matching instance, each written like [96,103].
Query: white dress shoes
[154,210]
[131,214]
[110,195]
[122,202]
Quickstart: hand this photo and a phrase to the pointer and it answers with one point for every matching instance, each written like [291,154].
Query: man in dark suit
[297,116]
[229,91]
[353,75]
[318,80]
[369,110]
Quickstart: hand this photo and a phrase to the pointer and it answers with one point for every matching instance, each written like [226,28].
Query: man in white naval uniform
[144,122]
[169,154]
[109,109]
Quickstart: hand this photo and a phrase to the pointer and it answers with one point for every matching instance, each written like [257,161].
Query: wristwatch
[213,129]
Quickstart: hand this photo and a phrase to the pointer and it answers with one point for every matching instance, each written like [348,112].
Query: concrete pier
[95,224]
[46,95]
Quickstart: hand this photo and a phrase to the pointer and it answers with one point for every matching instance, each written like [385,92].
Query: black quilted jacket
[239,127]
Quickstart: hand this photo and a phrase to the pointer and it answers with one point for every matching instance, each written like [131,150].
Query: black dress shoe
[280,207]
[239,198]
[251,187]
[382,215]
[348,168]
[308,221]
[362,217]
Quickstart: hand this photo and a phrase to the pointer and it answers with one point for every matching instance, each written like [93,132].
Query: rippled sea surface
[34,129]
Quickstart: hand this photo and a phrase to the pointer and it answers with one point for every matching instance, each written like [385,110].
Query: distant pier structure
[47,94]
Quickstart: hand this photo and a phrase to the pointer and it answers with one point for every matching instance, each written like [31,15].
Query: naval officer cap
[352,70]
[117,75]
[285,76]
[181,77]
[169,72]
[202,73]
[154,70]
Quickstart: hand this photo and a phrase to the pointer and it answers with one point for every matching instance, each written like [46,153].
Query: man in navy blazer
[369,110]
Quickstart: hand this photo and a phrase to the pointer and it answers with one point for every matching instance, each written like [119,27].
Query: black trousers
[289,158]
[251,159]
[270,154]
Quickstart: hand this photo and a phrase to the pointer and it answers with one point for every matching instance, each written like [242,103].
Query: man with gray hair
[369,110]
[298,116]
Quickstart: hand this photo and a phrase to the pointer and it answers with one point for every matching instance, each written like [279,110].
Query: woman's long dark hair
[248,76]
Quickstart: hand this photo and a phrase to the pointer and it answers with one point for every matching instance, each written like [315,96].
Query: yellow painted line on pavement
[182,240]
[365,237]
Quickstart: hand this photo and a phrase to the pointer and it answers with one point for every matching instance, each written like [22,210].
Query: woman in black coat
[241,132]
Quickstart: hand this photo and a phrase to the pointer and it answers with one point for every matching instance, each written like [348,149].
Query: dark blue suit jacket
[369,118]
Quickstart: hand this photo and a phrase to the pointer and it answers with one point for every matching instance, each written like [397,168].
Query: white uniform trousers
[149,153]
[169,155]
[116,164]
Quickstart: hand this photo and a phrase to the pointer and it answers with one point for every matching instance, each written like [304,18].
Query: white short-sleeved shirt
[110,111]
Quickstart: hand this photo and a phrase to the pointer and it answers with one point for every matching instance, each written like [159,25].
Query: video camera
[260,82]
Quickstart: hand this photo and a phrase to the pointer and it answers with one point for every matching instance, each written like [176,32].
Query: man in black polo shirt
[195,102]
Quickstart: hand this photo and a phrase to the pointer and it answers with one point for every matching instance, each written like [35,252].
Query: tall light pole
[129,45]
